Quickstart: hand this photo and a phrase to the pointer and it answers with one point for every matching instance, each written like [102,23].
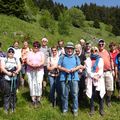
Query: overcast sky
[70,3]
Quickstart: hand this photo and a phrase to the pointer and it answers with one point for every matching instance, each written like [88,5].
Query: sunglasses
[101,44]
[10,51]
[36,46]
[54,50]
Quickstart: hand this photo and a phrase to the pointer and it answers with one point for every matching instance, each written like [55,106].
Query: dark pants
[82,85]
[96,93]
[118,82]
[9,96]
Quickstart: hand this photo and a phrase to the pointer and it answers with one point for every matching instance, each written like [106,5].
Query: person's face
[119,49]
[94,51]
[44,43]
[10,54]
[16,45]
[112,47]
[61,44]
[69,51]
[77,51]
[88,47]
[82,43]
[54,51]
[35,49]
[101,45]
[25,44]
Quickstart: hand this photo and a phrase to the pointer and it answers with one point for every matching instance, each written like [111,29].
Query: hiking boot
[102,113]
[109,104]
[91,113]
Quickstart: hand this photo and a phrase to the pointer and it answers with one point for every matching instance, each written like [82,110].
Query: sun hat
[69,45]
[11,49]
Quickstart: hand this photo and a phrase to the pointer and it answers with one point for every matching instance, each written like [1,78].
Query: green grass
[24,110]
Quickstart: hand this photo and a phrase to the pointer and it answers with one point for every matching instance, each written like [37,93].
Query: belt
[107,70]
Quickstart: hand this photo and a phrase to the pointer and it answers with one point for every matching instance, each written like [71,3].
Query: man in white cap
[47,52]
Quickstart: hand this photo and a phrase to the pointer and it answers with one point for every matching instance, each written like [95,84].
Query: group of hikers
[81,69]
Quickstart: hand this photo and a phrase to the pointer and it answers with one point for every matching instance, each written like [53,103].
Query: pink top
[24,53]
[35,59]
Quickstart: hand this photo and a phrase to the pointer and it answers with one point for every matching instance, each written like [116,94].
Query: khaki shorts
[108,81]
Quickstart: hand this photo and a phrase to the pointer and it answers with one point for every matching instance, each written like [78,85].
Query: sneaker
[64,112]
[12,111]
[75,114]
[6,112]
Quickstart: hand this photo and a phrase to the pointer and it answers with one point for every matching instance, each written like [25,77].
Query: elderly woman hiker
[11,67]
[95,81]
[35,72]
[53,75]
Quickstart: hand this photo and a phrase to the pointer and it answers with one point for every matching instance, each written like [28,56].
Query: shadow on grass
[26,96]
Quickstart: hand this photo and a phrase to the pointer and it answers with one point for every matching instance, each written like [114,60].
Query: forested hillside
[41,18]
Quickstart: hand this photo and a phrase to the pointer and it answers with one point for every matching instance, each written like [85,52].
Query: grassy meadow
[25,111]
[13,28]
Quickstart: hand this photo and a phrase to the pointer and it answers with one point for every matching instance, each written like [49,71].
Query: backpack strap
[76,59]
[14,59]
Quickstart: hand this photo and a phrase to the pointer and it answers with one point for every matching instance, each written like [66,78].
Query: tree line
[107,15]
[51,11]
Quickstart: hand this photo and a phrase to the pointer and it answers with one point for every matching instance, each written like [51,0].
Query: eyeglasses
[10,51]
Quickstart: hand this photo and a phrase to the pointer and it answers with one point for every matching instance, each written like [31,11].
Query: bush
[46,21]
[64,23]
[77,17]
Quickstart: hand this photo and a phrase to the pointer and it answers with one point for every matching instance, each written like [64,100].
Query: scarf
[96,58]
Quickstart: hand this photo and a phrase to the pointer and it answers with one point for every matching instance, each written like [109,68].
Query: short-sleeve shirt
[46,51]
[69,62]
[113,55]
[34,58]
